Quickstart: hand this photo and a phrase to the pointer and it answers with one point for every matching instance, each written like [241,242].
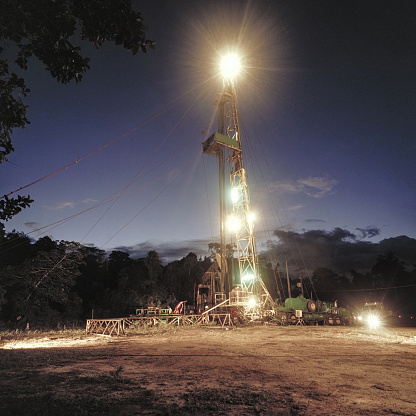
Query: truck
[301,310]
[373,314]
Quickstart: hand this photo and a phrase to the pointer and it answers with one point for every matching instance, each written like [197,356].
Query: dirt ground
[263,370]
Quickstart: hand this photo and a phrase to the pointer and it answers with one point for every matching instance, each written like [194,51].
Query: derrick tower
[225,144]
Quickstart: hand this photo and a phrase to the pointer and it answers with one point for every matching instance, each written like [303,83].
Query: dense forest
[53,283]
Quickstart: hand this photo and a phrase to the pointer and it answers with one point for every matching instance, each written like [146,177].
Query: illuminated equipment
[374,314]
[226,146]
[373,321]
[252,303]
[230,66]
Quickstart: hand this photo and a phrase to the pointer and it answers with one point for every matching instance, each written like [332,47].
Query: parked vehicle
[301,310]
[373,314]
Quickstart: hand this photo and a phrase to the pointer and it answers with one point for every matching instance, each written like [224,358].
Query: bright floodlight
[251,216]
[235,195]
[373,321]
[251,303]
[233,223]
[230,65]
[247,276]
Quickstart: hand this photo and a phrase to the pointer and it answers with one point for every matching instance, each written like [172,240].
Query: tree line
[48,283]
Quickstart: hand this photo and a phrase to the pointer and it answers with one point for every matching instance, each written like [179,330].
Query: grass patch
[16,335]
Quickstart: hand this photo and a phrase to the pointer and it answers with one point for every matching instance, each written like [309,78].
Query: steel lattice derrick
[241,204]
[226,146]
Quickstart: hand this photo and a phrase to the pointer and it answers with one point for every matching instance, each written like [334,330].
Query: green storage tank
[300,303]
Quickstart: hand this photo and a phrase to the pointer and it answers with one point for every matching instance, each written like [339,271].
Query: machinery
[301,310]
[248,298]
[373,314]
[246,290]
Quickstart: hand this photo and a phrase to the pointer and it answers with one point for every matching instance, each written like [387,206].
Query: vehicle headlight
[373,321]
[360,318]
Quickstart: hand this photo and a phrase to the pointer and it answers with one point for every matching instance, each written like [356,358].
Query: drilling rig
[247,290]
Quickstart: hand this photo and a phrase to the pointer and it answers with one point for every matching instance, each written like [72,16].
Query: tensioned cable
[250,152]
[107,200]
[109,143]
[343,139]
[145,164]
[266,228]
[284,210]
[47,273]
[66,167]
[208,205]
[366,290]
[249,149]
[55,224]
[68,253]
[154,199]
[50,175]
[59,222]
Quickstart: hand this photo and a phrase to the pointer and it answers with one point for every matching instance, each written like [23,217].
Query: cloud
[60,206]
[317,187]
[32,225]
[287,187]
[168,251]
[314,220]
[295,207]
[313,186]
[68,204]
[369,232]
[339,249]
[89,201]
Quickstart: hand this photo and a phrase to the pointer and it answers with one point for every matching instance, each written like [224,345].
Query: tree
[15,248]
[46,29]
[182,277]
[216,248]
[140,285]
[45,244]
[388,270]
[325,283]
[91,283]
[154,266]
[40,290]
[117,261]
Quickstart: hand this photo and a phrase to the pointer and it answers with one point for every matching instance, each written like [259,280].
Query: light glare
[247,276]
[235,195]
[230,65]
[373,321]
[233,223]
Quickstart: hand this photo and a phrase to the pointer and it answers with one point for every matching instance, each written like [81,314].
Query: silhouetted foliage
[15,248]
[48,283]
[47,30]
[40,289]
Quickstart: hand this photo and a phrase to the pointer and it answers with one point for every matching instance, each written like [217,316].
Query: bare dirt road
[264,370]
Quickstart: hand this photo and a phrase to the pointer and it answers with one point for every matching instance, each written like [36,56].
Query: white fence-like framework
[118,326]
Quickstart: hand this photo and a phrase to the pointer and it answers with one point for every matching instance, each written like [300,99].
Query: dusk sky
[327,105]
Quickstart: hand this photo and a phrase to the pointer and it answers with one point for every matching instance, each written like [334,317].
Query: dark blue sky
[326,106]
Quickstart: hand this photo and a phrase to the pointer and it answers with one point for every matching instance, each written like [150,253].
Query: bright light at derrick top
[230,66]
